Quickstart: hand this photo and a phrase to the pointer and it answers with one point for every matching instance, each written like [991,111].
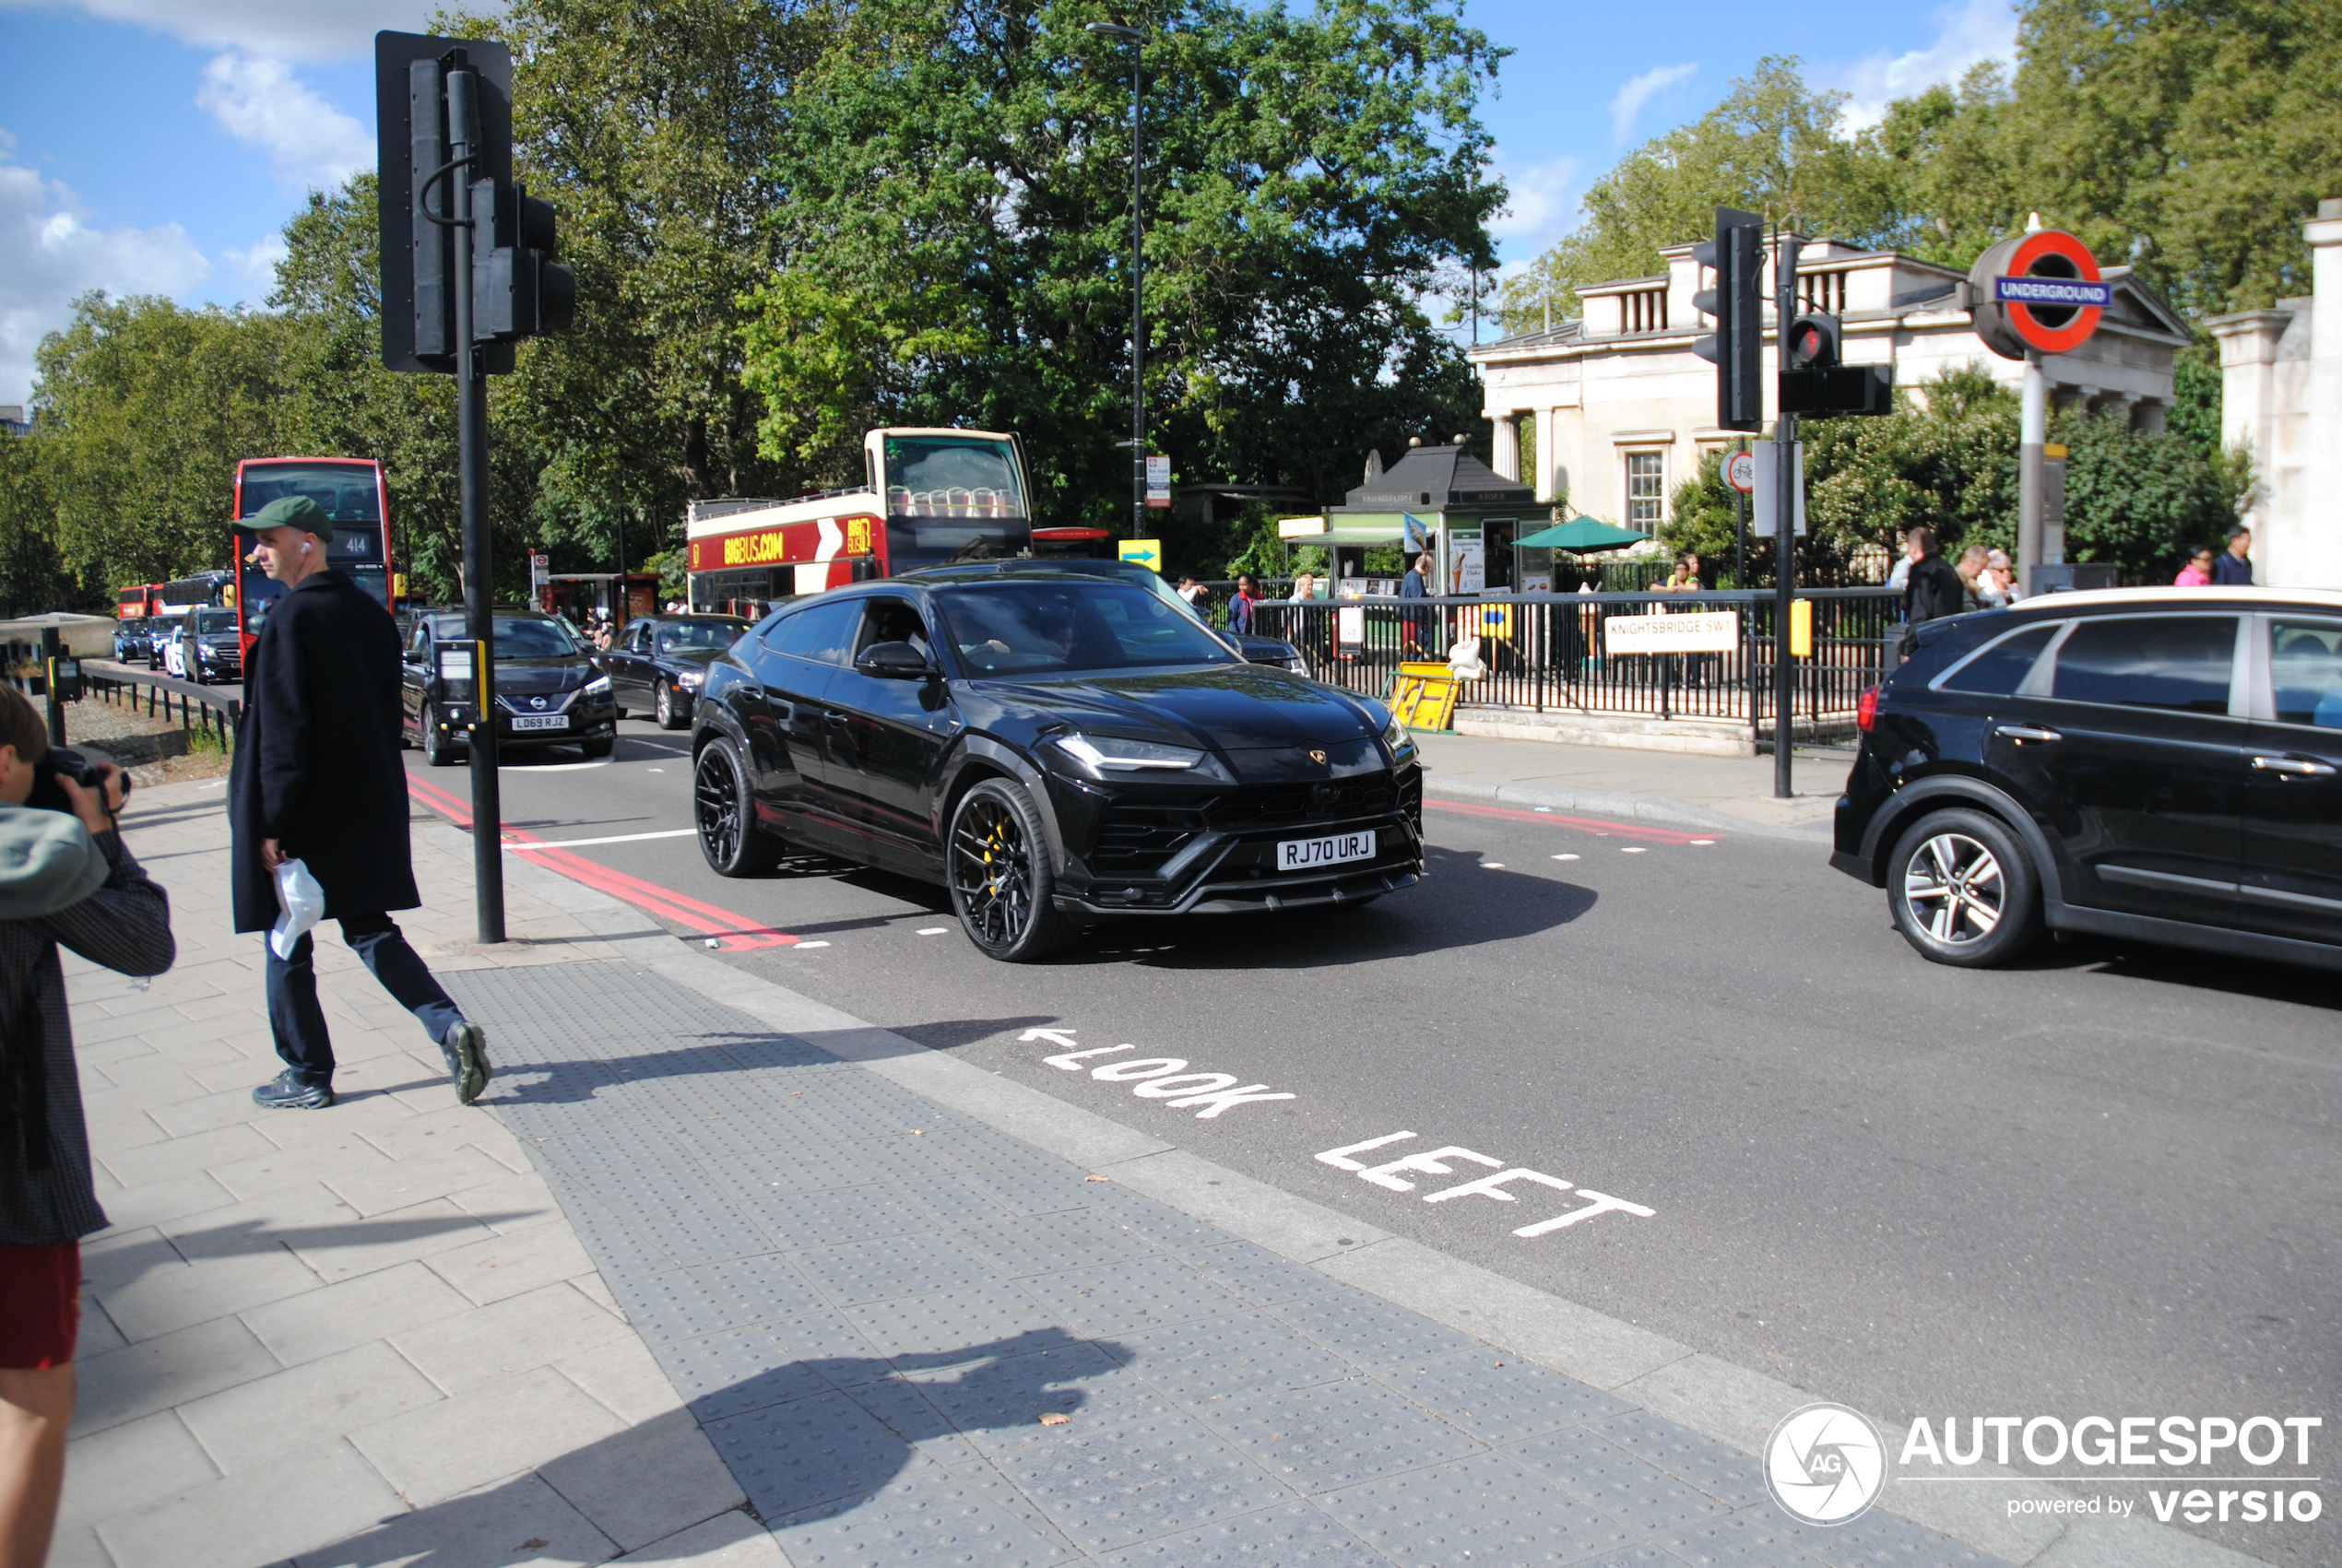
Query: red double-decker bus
[349,492]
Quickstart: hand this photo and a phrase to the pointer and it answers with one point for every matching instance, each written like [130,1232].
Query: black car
[2159,764]
[209,646]
[130,639]
[547,692]
[1051,745]
[658,662]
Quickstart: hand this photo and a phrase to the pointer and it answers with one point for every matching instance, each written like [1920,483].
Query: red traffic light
[1812,343]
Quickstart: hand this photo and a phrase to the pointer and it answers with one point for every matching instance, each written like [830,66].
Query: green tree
[31,577]
[954,244]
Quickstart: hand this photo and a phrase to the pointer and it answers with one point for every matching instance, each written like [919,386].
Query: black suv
[2157,764]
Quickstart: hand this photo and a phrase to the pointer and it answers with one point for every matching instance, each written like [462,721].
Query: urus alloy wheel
[1002,888]
[728,836]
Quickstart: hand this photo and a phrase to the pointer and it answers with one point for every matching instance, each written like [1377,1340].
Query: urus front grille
[1135,840]
[1266,806]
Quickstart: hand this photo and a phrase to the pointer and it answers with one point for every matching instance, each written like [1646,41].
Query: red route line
[734,932]
[1592,825]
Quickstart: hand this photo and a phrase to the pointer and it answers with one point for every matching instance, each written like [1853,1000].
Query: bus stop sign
[2038,291]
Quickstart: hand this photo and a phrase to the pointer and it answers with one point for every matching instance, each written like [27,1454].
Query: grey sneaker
[466,1051]
[286,1093]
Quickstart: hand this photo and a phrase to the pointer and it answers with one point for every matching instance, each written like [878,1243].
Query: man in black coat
[1935,589]
[318,778]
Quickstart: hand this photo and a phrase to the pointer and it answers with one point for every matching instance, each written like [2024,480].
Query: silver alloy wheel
[1954,886]
[665,707]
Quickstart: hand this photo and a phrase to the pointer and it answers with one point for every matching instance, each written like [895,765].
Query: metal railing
[1548,653]
[198,712]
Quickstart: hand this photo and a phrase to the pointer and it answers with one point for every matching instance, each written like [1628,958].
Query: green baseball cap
[289,512]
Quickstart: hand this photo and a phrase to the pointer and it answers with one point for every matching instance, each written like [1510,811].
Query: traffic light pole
[471,467]
[1785,520]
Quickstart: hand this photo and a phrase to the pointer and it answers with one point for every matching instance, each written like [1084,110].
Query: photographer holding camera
[64,878]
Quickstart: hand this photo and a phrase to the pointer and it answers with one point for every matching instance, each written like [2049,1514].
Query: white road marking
[1158,1077]
[1492,866]
[933,930]
[1490,1187]
[802,947]
[615,838]
[1633,849]
[1565,857]
[1703,841]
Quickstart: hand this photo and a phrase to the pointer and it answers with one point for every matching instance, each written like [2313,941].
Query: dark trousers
[299,1023]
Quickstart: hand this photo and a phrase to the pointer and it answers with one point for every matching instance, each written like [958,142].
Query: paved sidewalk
[1686,789]
[369,1322]
[720,1275]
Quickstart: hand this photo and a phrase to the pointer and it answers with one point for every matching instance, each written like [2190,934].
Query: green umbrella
[1581,534]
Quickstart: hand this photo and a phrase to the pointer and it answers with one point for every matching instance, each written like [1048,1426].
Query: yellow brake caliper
[994,877]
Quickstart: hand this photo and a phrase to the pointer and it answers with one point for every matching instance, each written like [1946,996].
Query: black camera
[64,761]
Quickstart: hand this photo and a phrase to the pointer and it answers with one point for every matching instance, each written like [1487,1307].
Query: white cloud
[1640,90]
[257,264]
[261,104]
[284,29]
[50,253]
[1968,33]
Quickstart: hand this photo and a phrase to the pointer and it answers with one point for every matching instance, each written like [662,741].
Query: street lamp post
[1133,37]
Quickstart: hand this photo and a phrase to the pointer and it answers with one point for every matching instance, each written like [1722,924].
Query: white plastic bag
[303,903]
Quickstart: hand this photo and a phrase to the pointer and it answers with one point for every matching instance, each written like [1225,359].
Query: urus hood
[1237,706]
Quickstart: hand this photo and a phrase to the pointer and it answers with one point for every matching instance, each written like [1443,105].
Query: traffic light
[1814,384]
[1813,343]
[1736,256]
[517,290]
[419,259]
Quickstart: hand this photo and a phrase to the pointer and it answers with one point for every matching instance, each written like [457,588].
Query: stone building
[1624,409]
[2281,397]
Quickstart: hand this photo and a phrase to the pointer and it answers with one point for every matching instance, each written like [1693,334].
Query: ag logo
[1825,1464]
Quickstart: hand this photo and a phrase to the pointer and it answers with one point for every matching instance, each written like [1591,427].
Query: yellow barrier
[1423,696]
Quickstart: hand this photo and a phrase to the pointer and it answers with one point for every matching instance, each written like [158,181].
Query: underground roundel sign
[2038,290]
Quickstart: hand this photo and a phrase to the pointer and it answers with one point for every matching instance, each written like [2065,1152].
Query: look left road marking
[1155,1077]
[1491,1187]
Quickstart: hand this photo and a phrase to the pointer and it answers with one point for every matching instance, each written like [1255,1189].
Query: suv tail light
[1866,710]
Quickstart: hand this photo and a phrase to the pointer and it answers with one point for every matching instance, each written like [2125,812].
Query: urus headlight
[1111,757]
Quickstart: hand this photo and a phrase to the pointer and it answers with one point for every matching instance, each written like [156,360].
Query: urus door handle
[831,716]
[2023,733]
[2296,767]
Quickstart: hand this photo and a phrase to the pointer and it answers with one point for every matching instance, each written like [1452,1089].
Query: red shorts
[39,1304]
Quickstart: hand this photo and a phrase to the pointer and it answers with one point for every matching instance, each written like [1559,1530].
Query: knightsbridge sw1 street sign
[2038,290]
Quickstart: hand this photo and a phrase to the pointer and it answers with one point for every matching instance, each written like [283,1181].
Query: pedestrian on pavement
[1240,606]
[1414,617]
[1997,584]
[65,878]
[2234,567]
[2198,573]
[1933,589]
[317,777]
[1972,561]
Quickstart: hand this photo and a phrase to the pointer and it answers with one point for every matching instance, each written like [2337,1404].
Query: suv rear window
[2305,657]
[2179,662]
[2000,669]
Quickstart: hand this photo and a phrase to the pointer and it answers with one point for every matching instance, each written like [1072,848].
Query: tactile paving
[1372,1331]
[1879,1540]
[861,1272]
[1123,1297]
[1733,1477]
[1260,1277]
[1051,1243]
[837,1214]
[1481,1509]
[735,1371]
[1027,1374]
[1335,1434]
[1111,1488]
[1764,1538]
[1294,1534]
[961,1316]
[1641,1495]
[927,1513]
[808,1451]
[1498,1398]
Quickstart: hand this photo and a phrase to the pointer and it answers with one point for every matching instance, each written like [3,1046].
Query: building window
[1643,310]
[1645,489]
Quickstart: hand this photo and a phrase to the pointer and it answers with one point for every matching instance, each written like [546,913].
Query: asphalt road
[2105,1182]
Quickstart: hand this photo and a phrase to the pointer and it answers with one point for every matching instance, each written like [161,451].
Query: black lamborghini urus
[1053,747]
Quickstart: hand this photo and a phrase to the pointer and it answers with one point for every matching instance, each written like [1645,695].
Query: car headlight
[1108,757]
[598,686]
[1297,665]
[689,680]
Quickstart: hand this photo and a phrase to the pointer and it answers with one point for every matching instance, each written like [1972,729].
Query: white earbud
[304,546]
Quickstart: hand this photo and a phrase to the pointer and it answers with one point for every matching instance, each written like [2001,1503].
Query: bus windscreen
[344,491]
[952,498]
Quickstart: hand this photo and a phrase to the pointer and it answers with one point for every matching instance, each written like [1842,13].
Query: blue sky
[159,145]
